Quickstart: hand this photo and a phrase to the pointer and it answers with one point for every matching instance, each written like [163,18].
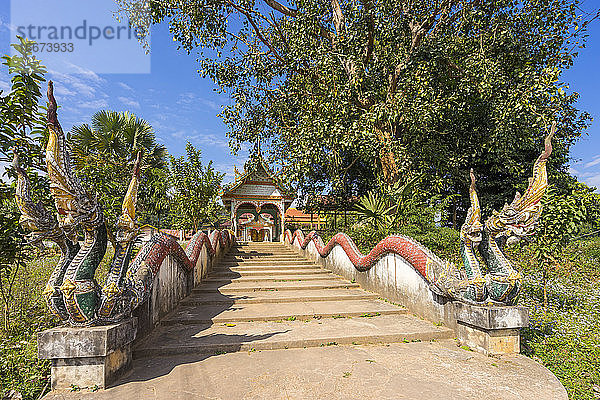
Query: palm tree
[104,153]
[115,137]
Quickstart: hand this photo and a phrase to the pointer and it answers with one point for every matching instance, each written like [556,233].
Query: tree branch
[256,28]
[290,12]
[418,33]
[338,16]
[370,32]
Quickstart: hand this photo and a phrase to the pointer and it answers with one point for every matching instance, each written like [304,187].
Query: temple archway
[257,200]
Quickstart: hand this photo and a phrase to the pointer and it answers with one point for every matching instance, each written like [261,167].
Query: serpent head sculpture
[515,221]
[72,293]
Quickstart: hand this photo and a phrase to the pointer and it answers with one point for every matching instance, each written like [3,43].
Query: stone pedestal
[88,357]
[490,330]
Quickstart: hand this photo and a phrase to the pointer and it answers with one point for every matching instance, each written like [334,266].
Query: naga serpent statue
[500,285]
[72,293]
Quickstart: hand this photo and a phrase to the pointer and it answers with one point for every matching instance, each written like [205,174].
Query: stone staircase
[264,296]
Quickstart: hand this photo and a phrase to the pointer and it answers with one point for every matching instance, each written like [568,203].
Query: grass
[565,336]
[370,315]
[20,368]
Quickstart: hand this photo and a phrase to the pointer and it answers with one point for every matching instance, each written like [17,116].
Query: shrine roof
[252,169]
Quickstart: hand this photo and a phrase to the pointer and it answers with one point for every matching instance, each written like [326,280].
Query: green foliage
[445,242]
[564,330]
[13,250]
[196,189]
[23,123]
[374,210]
[590,202]
[344,91]
[383,210]
[20,368]
[21,130]
[401,206]
[104,154]
[561,220]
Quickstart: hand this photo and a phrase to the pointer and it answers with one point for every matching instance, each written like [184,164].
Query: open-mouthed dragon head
[34,217]
[72,203]
[519,218]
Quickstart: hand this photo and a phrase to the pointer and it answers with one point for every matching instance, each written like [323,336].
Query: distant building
[298,219]
[257,202]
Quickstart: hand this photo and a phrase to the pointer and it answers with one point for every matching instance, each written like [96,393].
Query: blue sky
[182,106]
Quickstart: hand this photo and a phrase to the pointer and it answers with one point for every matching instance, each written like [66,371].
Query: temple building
[257,201]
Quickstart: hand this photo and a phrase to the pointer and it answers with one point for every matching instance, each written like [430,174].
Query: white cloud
[594,162]
[203,139]
[64,91]
[593,180]
[210,140]
[82,82]
[9,27]
[210,104]
[88,74]
[129,102]
[95,104]
[72,110]
[157,125]
[573,171]
[4,80]
[4,86]
[191,99]
[186,98]
[124,86]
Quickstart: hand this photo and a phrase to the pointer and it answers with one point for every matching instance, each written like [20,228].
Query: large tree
[348,91]
[196,187]
[103,155]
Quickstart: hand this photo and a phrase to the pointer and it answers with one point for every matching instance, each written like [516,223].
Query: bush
[20,368]
[564,335]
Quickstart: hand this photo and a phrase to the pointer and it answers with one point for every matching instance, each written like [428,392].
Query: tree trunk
[386,156]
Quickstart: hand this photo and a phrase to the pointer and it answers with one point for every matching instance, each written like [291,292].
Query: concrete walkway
[267,324]
[418,370]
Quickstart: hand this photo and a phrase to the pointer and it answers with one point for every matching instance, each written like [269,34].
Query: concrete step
[298,261]
[250,256]
[284,296]
[269,247]
[249,336]
[259,253]
[243,272]
[283,311]
[265,267]
[254,259]
[242,267]
[237,287]
[273,278]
